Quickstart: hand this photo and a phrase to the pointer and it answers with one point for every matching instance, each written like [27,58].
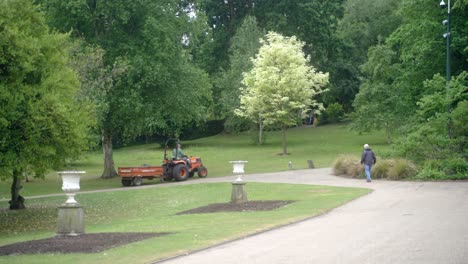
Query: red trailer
[178,169]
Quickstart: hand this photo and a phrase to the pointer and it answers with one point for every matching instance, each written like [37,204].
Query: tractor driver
[177,153]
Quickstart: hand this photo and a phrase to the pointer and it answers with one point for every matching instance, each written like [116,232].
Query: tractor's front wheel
[202,172]
[180,172]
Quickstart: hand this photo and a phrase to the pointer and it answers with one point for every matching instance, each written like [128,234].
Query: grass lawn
[321,144]
[154,210]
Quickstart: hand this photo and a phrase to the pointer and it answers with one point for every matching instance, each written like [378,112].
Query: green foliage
[417,53]
[439,134]
[138,65]
[333,114]
[379,105]
[314,22]
[448,169]
[245,44]
[280,88]
[364,24]
[42,124]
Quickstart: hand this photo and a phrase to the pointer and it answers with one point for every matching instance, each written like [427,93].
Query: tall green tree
[279,89]
[162,89]
[364,24]
[225,17]
[417,49]
[314,22]
[42,125]
[426,107]
[379,105]
[245,45]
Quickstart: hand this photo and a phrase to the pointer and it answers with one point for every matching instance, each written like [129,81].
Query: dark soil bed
[85,243]
[240,207]
[97,242]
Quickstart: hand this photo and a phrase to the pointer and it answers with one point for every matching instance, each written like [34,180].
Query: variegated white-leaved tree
[279,90]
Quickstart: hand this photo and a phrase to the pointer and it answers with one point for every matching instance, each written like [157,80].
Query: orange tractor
[178,169]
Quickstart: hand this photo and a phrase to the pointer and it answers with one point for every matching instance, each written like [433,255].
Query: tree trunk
[389,135]
[109,169]
[283,136]
[260,133]
[17,201]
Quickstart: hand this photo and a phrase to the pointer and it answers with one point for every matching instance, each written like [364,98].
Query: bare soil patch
[240,207]
[85,243]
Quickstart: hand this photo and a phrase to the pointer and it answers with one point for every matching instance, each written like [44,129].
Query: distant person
[311,119]
[368,159]
[177,152]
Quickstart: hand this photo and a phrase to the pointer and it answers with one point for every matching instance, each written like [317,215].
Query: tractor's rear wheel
[137,181]
[126,182]
[180,172]
[202,172]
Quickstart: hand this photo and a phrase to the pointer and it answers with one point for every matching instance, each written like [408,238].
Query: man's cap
[366,146]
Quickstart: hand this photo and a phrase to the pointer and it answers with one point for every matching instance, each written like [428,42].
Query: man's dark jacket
[368,157]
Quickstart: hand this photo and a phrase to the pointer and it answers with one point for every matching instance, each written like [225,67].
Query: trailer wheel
[137,181]
[180,172]
[126,182]
[202,172]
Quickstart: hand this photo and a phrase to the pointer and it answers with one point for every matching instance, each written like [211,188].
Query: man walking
[368,159]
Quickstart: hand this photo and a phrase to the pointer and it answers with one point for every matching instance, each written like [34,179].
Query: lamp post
[447,37]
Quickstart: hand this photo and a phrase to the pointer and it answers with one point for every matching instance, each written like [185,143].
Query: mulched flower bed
[239,207]
[85,243]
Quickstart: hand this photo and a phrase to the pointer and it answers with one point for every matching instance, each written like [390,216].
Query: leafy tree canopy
[42,125]
[279,89]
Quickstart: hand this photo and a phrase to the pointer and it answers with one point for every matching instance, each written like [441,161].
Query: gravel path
[399,222]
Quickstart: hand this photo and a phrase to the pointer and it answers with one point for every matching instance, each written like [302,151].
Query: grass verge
[322,145]
[154,210]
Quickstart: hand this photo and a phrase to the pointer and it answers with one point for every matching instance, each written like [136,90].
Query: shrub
[333,114]
[449,169]
[394,169]
[348,165]
[380,169]
[401,169]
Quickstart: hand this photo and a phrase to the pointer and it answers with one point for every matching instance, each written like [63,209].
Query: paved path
[399,222]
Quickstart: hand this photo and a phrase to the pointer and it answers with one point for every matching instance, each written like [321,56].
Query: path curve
[399,222]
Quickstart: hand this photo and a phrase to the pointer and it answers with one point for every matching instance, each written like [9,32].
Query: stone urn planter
[71,184]
[238,195]
[238,168]
[70,214]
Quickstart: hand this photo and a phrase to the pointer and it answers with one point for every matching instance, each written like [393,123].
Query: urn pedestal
[238,194]
[70,214]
